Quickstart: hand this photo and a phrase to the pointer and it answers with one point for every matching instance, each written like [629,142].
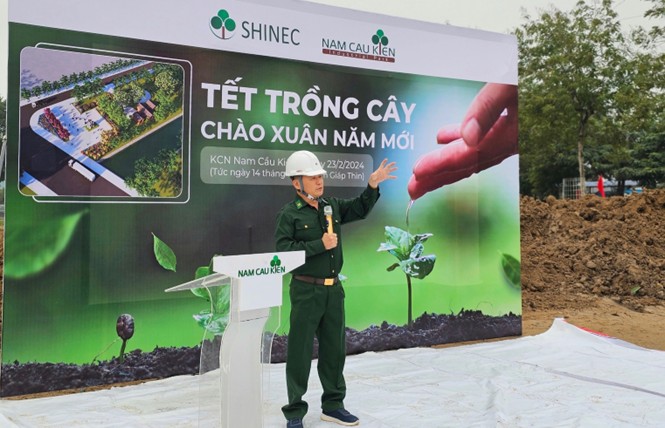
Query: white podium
[232,396]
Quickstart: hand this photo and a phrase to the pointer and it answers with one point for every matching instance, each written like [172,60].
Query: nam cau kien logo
[222,25]
[275,267]
[377,50]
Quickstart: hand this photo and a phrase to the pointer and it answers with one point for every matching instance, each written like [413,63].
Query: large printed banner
[146,138]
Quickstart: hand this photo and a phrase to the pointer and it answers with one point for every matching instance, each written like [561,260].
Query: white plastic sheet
[564,377]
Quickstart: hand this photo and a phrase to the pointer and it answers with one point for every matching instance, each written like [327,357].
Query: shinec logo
[275,262]
[222,25]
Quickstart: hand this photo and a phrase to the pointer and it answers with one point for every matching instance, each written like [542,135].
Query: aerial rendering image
[99,126]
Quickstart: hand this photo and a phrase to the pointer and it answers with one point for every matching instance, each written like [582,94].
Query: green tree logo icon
[380,39]
[222,25]
[275,262]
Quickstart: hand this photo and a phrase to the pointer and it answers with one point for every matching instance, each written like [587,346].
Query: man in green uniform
[317,296]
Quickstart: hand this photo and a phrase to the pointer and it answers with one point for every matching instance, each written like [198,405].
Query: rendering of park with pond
[116,124]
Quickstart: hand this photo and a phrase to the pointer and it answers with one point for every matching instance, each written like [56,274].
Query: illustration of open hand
[486,136]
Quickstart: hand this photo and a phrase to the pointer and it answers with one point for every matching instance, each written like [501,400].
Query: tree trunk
[580,163]
[580,151]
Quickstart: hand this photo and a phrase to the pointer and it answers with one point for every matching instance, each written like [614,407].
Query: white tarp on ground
[565,377]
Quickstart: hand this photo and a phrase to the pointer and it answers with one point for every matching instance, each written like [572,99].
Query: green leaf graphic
[201,272]
[419,267]
[408,249]
[215,324]
[163,253]
[421,237]
[36,247]
[417,251]
[216,319]
[511,269]
[397,243]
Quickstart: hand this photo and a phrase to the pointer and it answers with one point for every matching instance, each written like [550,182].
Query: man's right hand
[329,240]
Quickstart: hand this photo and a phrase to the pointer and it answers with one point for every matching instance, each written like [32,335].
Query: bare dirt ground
[597,262]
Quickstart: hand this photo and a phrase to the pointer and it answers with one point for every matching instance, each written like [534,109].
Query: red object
[601,186]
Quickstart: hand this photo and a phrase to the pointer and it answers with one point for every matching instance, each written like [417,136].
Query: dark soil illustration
[428,329]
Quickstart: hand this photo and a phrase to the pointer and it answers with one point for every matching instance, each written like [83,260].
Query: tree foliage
[129,95]
[161,176]
[114,111]
[657,32]
[167,80]
[589,95]
[650,169]
[86,83]
[568,64]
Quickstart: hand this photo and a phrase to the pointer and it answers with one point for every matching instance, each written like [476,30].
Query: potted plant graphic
[409,251]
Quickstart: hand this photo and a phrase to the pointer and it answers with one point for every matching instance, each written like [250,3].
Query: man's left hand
[382,173]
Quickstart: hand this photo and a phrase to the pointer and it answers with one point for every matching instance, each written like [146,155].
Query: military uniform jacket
[300,227]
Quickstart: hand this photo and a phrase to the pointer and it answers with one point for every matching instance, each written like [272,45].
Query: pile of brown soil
[594,246]
[599,262]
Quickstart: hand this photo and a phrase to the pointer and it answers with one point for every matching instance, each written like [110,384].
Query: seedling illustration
[408,249]
[124,326]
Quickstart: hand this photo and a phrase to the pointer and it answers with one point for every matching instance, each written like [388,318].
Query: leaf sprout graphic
[124,326]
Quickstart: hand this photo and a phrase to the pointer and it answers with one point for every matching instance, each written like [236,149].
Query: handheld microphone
[327,211]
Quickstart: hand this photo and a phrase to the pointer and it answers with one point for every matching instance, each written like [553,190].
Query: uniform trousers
[316,311]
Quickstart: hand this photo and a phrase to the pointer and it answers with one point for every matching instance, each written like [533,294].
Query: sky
[499,15]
